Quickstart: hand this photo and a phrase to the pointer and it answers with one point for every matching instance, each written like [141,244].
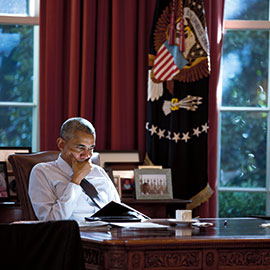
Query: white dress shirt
[55,197]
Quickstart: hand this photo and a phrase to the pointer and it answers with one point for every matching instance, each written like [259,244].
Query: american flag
[177,139]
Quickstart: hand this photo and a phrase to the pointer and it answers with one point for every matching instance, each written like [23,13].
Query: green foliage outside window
[245,72]
[241,204]
[243,141]
[243,149]
[16,84]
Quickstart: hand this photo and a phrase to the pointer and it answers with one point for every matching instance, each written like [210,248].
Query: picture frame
[6,151]
[4,187]
[118,156]
[125,181]
[153,184]
[116,180]
[118,184]
[125,170]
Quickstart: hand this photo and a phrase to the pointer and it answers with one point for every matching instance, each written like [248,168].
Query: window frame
[32,19]
[247,25]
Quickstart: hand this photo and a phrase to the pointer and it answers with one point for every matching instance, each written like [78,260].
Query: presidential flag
[177,113]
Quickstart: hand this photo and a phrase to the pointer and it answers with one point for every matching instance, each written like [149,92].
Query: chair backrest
[22,165]
[42,246]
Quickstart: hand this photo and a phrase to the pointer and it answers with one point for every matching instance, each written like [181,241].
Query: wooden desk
[156,208]
[241,245]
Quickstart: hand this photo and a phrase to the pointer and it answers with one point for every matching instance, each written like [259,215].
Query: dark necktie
[90,191]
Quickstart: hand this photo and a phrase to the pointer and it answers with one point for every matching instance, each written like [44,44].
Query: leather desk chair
[51,245]
[22,165]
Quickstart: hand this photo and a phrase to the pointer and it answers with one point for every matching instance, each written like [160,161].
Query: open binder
[117,212]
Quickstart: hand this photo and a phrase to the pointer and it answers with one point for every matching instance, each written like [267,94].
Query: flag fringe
[147,160]
[203,196]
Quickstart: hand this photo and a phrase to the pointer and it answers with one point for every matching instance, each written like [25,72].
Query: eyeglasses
[82,148]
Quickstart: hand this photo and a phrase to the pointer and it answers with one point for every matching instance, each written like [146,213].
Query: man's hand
[80,169]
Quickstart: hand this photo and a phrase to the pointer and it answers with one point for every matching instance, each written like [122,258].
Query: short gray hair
[72,125]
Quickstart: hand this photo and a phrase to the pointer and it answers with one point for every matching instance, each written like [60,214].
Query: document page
[138,225]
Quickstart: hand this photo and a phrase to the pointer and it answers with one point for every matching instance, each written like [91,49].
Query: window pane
[14,7]
[245,68]
[16,63]
[241,204]
[16,126]
[246,9]
[243,149]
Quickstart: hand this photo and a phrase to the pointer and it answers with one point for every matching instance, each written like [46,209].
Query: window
[244,134]
[19,73]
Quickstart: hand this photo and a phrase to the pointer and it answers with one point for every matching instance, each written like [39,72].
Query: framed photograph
[116,179]
[118,184]
[118,156]
[4,190]
[6,151]
[153,184]
[126,181]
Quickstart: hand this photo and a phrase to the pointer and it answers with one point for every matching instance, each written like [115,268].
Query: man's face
[81,146]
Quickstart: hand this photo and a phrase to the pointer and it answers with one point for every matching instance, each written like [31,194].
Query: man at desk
[55,187]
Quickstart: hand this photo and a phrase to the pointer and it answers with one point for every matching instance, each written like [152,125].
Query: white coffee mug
[183,215]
